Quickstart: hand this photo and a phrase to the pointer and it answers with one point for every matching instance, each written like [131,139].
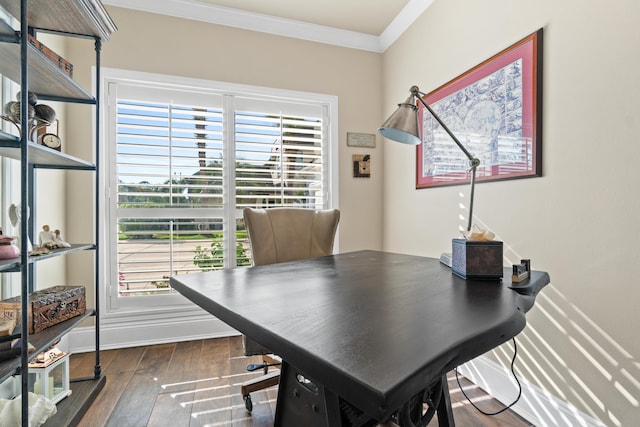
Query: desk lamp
[471,259]
[402,126]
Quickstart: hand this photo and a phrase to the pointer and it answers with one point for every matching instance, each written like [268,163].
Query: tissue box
[477,260]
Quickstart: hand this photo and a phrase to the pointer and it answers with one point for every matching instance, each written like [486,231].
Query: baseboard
[536,405]
[143,333]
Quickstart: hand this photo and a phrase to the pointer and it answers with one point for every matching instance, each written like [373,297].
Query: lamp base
[477,260]
[446,258]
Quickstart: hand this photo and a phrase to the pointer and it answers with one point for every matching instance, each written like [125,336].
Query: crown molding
[194,10]
[402,22]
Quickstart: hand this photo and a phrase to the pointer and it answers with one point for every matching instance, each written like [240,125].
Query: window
[181,162]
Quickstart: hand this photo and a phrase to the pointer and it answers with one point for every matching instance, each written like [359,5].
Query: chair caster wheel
[248,404]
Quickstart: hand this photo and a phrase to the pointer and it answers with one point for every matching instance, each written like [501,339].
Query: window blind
[185,166]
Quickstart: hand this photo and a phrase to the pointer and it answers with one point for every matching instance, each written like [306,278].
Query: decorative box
[56,59]
[48,376]
[47,307]
[477,259]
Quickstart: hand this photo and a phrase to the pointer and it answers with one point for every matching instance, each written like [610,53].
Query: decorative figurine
[14,217]
[51,239]
[58,239]
[45,238]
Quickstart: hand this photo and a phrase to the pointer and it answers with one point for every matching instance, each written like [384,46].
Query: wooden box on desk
[47,307]
[477,259]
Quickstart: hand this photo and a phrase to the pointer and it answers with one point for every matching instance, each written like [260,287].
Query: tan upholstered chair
[281,235]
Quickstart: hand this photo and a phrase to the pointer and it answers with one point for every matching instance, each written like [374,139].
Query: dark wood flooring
[196,384]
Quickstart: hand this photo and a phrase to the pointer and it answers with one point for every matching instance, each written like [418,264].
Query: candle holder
[49,375]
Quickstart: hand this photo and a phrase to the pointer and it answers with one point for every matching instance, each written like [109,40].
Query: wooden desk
[369,329]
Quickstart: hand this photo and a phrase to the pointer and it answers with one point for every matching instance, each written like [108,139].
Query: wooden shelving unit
[20,59]
[82,17]
[43,157]
[42,341]
[14,264]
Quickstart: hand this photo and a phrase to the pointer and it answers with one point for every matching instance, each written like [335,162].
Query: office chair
[281,235]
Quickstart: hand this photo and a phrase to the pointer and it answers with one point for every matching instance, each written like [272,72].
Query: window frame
[10,283]
[158,307]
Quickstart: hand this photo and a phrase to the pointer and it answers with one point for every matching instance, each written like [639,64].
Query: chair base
[260,383]
[269,379]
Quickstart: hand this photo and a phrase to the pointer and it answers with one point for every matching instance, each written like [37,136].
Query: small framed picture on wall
[361,165]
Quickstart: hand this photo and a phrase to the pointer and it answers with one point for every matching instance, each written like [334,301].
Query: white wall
[579,221]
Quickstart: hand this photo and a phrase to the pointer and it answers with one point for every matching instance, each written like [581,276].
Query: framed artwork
[361,140]
[495,110]
[361,165]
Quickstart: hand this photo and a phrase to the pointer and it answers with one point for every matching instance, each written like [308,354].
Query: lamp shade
[402,125]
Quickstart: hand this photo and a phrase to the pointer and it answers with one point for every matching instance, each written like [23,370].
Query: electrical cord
[513,360]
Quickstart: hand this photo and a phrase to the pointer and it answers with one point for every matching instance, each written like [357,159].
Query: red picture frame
[495,110]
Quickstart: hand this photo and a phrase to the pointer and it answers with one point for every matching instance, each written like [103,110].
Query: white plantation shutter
[184,162]
[168,155]
[279,160]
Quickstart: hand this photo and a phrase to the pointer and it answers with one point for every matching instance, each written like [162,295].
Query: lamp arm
[416,92]
[474,165]
[474,162]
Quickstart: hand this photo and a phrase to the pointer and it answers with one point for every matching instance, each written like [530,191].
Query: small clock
[50,140]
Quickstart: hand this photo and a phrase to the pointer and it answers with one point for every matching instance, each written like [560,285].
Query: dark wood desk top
[373,327]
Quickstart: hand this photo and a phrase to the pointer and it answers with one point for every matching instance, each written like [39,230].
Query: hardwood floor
[196,384]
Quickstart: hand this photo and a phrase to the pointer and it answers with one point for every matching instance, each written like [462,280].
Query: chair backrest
[290,234]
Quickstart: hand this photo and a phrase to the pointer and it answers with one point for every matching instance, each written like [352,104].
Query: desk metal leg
[432,401]
[302,402]
[305,402]
[445,412]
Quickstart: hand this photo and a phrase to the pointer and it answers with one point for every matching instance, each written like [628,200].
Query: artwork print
[495,111]
[361,165]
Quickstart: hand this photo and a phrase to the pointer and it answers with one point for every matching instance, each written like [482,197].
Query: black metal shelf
[40,156]
[45,78]
[26,65]
[79,17]
[9,265]
[71,409]
[7,34]
[41,341]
